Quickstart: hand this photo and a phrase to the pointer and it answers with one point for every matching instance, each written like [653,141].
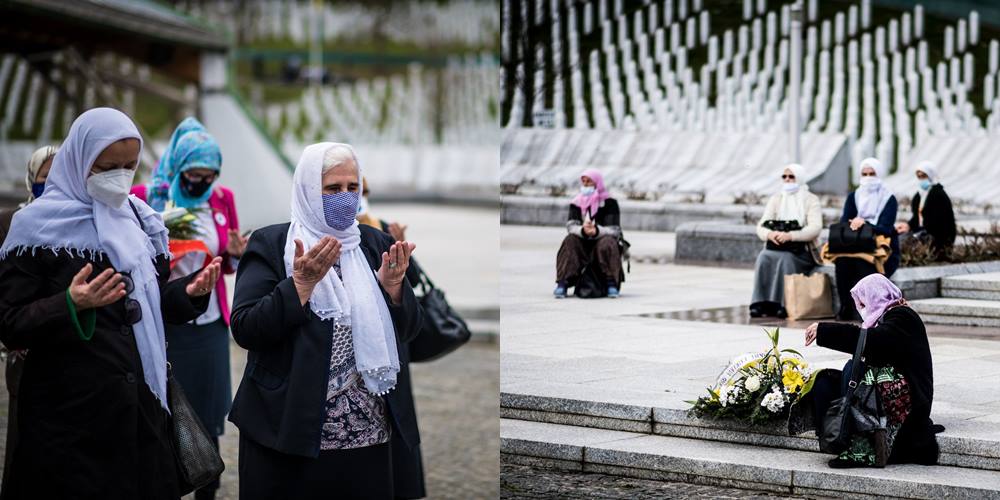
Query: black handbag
[785,226]
[845,240]
[857,412]
[443,330]
[198,460]
[591,284]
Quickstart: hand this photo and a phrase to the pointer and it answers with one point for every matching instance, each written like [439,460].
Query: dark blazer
[91,428]
[939,217]
[886,227]
[899,340]
[281,399]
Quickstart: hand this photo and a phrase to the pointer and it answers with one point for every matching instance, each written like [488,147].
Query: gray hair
[336,156]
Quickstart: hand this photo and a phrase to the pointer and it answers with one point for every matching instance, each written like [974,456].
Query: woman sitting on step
[896,340]
[933,217]
[592,246]
[791,222]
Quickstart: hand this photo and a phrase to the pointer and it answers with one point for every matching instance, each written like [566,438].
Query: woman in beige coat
[791,223]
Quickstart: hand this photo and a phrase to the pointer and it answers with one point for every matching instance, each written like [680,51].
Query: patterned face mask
[339,209]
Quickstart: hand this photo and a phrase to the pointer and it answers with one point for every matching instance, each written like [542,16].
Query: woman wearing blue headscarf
[199,350]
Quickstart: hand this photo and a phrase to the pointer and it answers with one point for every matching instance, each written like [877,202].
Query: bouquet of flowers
[758,388]
[183,231]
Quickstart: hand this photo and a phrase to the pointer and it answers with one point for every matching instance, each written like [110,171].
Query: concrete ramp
[251,165]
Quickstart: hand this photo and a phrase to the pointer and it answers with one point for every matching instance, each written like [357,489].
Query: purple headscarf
[590,202]
[878,295]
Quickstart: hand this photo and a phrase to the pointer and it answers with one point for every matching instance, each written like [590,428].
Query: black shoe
[755,311]
[782,313]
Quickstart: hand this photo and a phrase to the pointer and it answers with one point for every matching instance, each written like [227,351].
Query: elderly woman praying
[321,305]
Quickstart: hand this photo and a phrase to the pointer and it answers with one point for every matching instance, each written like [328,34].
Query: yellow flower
[794,361]
[792,380]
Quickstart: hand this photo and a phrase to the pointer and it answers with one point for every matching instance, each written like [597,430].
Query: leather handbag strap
[855,364]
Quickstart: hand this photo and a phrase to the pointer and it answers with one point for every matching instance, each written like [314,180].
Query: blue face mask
[925,184]
[339,209]
[37,189]
[588,190]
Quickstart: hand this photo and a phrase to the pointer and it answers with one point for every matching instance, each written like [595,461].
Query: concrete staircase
[667,444]
[967,300]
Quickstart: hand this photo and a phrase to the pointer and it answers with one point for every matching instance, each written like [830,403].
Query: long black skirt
[353,473]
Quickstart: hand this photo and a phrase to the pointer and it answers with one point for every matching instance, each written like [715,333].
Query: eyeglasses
[200,177]
[870,174]
[786,177]
[133,311]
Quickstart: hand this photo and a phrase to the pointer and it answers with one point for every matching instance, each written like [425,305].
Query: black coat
[281,399]
[900,341]
[939,217]
[90,426]
[607,215]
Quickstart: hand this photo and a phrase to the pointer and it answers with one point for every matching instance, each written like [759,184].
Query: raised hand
[237,244]
[106,288]
[392,272]
[309,267]
[204,283]
[398,231]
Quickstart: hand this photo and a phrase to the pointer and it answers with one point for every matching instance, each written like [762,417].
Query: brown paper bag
[808,297]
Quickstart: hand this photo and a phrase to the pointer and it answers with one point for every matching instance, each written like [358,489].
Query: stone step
[982,286]
[716,463]
[963,444]
[958,311]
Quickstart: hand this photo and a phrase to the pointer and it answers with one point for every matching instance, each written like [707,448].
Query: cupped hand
[106,288]
[902,227]
[204,282]
[237,244]
[309,267]
[856,223]
[395,262]
[398,231]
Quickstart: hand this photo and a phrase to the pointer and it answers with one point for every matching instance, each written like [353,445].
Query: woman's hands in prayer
[392,272]
[902,227]
[589,228]
[106,288]
[237,244]
[856,223]
[204,283]
[308,268]
[811,333]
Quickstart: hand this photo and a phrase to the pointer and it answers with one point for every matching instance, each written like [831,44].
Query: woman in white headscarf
[84,272]
[872,203]
[321,305]
[933,215]
[791,222]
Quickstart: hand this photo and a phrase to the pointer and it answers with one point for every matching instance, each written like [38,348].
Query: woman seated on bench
[791,223]
[594,230]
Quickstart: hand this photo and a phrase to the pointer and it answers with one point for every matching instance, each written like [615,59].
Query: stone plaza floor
[630,351]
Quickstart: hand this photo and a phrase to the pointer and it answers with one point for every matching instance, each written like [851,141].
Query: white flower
[752,383]
[728,394]
[774,401]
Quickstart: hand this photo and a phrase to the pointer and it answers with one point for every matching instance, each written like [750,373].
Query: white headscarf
[792,205]
[38,158]
[872,198]
[932,175]
[68,219]
[357,300]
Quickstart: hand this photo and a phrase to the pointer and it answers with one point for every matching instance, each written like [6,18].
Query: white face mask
[587,190]
[363,205]
[112,187]
[790,187]
[870,181]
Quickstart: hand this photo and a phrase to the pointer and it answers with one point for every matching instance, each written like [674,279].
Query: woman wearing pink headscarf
[896,338]
[591,249]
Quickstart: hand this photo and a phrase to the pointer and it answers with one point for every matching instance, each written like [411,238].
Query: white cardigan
[814,218]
